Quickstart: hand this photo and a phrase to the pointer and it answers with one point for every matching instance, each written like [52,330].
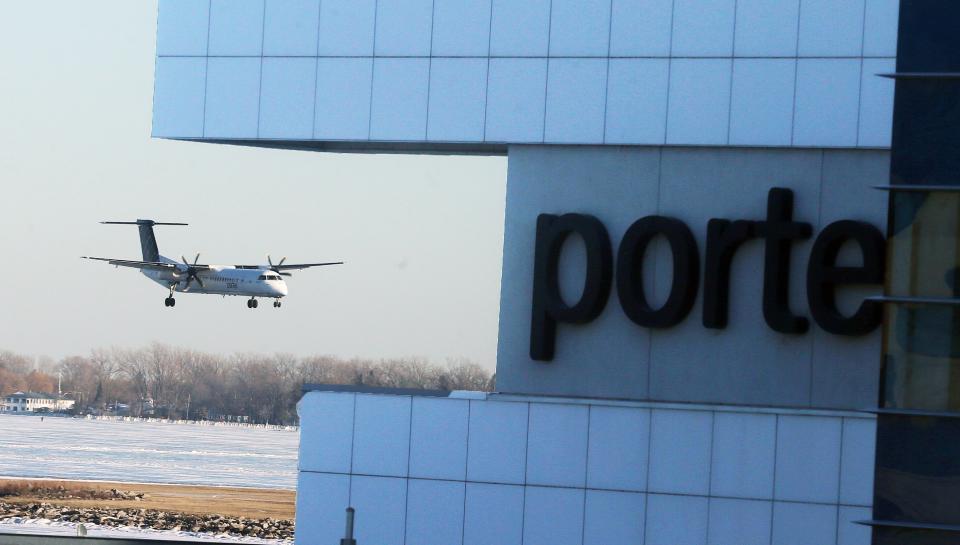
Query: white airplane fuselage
[223,280]
[252,281]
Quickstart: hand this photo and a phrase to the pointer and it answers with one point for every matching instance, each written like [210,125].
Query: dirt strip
[253,503]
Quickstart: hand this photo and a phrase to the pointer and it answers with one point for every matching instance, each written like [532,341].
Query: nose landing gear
[169,302]
[276,304]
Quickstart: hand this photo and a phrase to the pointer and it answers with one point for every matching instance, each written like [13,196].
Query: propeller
[192,272]
[276,268]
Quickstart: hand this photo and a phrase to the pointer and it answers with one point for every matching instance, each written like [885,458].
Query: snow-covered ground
[49,527]
[149,452]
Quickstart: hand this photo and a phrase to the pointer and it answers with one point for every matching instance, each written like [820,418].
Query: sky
[422,236]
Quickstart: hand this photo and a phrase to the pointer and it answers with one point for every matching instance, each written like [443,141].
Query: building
[729,286]
[34,402]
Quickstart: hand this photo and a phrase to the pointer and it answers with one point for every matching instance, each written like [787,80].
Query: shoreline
[142,483]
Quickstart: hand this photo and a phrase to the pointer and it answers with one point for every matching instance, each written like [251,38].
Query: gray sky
[422,236]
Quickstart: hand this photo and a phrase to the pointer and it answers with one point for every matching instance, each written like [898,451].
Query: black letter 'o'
[686,272]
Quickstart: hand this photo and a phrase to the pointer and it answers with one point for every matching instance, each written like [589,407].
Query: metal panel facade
[450,75]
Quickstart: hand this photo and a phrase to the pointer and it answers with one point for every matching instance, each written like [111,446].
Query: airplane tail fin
[148,242]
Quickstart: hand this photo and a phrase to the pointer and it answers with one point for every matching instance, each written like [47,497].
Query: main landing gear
[253,303]
[170,301]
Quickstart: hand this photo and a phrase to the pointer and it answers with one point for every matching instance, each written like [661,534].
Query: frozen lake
[149,452]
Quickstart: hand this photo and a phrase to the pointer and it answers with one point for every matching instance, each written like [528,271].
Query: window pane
[921,364]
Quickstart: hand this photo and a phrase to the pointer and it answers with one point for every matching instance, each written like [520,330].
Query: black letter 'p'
[548,304]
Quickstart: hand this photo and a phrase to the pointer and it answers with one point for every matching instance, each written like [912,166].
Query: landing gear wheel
[252,303]
[169,302]
[276,304]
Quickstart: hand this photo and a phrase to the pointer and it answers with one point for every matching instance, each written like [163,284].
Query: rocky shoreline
[151,519]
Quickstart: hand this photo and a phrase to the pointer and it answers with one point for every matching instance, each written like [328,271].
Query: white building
[729,286]
[30,402]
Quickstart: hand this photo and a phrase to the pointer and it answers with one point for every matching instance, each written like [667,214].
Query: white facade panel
[613,517]
[458,97]
[808,459]
[637,101]
[381,503]
[520,29]
[761,108]
[579,28]
[498,442]
[346,28]
[290,27]
[516,94]
[236,27]
[828,95]
[618,448]
[557,445]
[876,103]
[880,28]
[315,511]
[672,520]
[743,522]
[553,516]
[680,452]
[233,97]
[398,110]
[434,512]
[576,91]
[766,29]
[703,28]
[857,462]
[804,524]
[461,28]
[381,435]
[494,514]
[287,94]
[849,532]
[699,110]
[831,28]
[182,27]
[403,27]
[438,438]
[641,28]
[343,98]
[326,432]
[743,455]
[179,97]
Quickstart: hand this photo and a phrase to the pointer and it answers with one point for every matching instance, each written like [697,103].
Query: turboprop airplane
[253,281]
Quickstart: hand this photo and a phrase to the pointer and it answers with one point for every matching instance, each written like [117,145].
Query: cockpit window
[262,277]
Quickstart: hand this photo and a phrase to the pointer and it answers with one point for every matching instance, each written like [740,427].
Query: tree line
[169,382]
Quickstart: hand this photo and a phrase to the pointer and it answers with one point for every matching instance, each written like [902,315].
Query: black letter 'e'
[686,272]
[823,276]
[548,304]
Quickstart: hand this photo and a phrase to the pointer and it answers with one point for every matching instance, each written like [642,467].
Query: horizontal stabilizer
[141,222]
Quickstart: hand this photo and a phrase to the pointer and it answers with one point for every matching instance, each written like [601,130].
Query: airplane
[253,281]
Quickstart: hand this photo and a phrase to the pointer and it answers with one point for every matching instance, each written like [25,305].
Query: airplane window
[262,277]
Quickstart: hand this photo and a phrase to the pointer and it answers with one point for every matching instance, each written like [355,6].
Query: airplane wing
[298,266]
[150,265]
